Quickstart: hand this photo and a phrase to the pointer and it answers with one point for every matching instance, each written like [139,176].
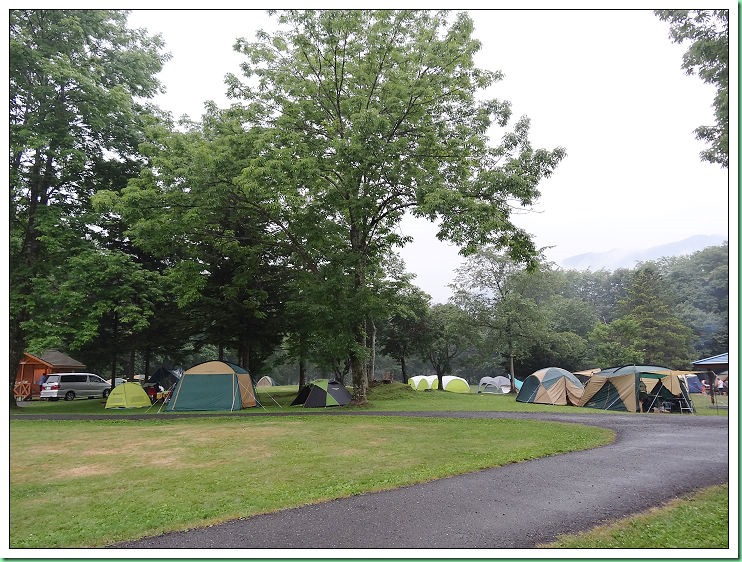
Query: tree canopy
[707,33]
[75,123]
[365,115]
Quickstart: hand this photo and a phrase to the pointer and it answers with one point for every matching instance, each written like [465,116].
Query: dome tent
[494,385]
[423,382]
[213,385]
[128,395]
[321,394]
[551,385]
[455,384]
[266,381]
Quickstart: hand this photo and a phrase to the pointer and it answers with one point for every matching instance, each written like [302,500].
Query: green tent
[637,388]
[321,394]
[128,395]
[213,385]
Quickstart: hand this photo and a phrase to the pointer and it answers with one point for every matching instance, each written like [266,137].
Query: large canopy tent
[128,395]
[494,385]
[213,385]
[551,385]
[323,393]
[636,388]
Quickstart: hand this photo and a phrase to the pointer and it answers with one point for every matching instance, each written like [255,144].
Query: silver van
[74,385]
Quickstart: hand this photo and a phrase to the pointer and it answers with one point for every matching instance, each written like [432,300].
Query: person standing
[42,380]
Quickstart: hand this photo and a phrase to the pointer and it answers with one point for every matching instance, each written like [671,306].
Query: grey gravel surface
[653,459]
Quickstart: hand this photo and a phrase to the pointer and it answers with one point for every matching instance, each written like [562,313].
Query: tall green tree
[74,78]
[647,330]
[701,285]
[401,329]
[707,33]
[447,332]
[214,240]
[97,305]
[532,318]
[366,115]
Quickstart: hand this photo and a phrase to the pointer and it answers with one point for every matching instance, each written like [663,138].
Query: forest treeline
[266,233]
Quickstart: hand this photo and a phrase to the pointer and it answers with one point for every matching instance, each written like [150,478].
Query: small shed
[31,368]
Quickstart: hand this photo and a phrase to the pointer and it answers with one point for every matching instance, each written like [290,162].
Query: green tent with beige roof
[213,386]
[637,388]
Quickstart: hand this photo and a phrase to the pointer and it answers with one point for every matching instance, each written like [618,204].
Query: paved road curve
[654,458]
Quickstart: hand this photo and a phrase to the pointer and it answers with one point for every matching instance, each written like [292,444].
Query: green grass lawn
[700,520]
[91,483]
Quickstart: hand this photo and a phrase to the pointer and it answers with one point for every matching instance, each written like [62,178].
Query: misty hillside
[615,259]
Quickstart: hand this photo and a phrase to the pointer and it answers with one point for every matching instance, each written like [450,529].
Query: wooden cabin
[32,368]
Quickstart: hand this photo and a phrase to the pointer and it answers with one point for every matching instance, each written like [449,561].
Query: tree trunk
[302,371]
[357,368]
[132,360]
[372,373]
[147,356]
[359,379]
[16,349]
[512,375]
[404,369]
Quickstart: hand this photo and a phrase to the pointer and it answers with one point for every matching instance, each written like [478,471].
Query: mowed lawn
[92,483]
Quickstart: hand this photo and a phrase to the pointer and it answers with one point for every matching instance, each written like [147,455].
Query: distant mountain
[615,259]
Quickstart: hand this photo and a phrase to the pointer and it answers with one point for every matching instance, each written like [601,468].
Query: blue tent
[694,384]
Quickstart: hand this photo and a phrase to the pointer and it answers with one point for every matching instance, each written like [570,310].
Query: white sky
[607,85]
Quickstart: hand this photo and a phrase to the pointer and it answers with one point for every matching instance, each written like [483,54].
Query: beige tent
[636,392]
[551,386]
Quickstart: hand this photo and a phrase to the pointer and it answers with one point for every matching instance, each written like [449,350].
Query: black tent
[162,376]
[323,393]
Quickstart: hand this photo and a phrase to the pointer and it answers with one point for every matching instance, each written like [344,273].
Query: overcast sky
[607,85]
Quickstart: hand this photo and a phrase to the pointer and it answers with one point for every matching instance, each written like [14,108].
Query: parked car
[74,385]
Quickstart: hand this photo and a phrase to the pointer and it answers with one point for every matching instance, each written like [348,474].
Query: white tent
[266,381]
[423,382]
[494,385]
[455,384]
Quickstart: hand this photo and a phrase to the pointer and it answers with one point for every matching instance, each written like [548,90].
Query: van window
[52,378]
[95,378]
[74,378]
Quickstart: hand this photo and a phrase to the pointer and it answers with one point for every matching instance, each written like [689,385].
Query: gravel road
[654,458]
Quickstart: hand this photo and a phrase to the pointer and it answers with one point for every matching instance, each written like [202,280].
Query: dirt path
[654,458]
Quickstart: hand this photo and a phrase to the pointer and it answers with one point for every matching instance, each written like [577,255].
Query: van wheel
[106,392]
[69,395]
